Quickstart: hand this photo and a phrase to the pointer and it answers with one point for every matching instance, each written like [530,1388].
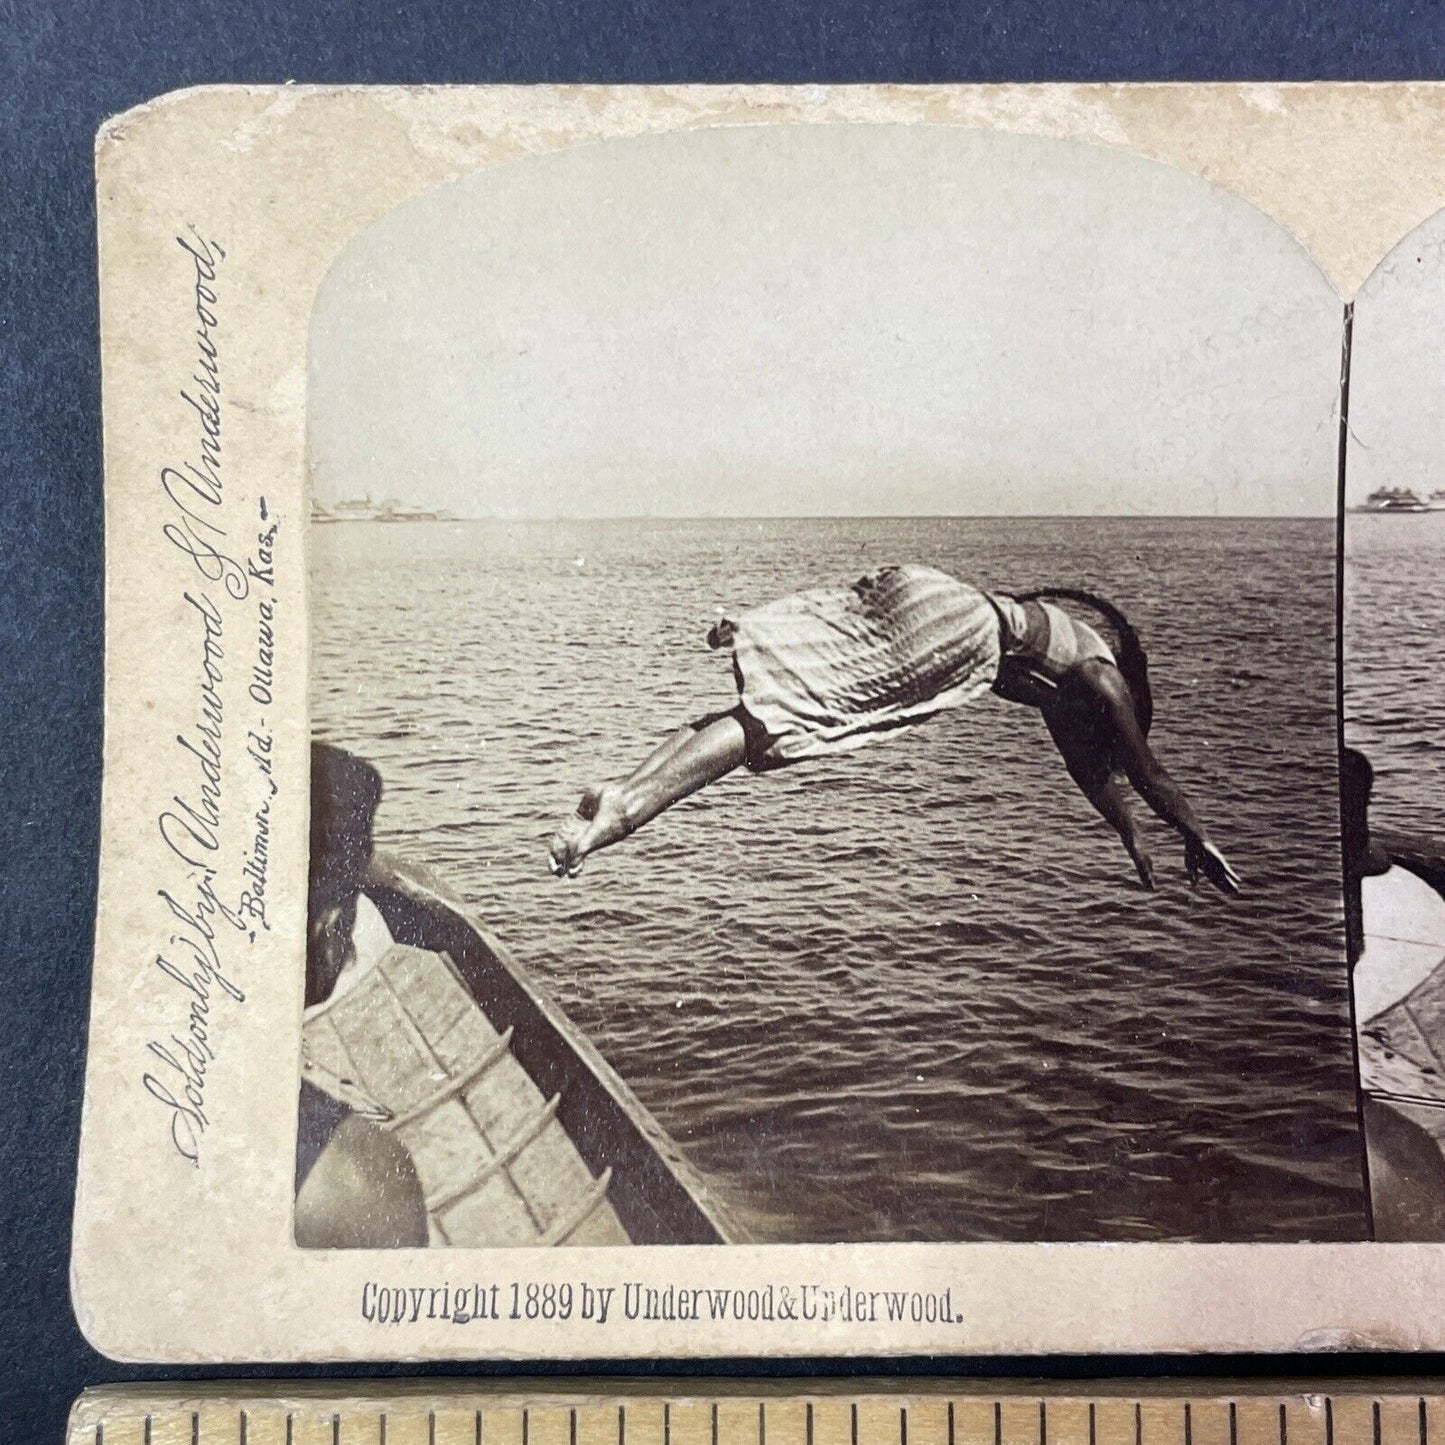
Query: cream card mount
[446,427]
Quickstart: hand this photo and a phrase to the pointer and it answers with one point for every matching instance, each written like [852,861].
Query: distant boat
[363,509]
[1401,499]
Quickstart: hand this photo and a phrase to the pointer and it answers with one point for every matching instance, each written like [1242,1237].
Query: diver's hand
[1201,856]
[1143,863]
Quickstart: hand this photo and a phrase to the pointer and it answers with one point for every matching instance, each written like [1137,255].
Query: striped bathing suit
[835,668]
[1043,641]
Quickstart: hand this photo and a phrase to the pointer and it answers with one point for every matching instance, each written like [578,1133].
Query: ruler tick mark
[1293,1423]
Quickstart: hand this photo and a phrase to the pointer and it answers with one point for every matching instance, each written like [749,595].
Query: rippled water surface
[912,992]
[1394,650]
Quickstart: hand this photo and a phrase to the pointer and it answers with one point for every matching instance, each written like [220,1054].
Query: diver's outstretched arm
[1153,783]
[1112,804]
[1150,778]
[1087,757]
[689,760]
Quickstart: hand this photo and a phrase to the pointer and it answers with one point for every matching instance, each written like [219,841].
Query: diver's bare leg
[688,761]
[663,753]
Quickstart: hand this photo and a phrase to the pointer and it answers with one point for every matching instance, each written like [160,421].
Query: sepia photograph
[823,679]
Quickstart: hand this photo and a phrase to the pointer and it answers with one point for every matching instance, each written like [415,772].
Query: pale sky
[814,320]
[1397,376]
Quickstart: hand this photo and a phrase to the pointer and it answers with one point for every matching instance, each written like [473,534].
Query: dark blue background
[64,67]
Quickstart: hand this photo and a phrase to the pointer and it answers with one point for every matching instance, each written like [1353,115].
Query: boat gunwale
[416,886]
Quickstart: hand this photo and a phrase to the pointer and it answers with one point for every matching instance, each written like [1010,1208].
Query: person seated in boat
[835,668]
[356,1185]
[1398,1023]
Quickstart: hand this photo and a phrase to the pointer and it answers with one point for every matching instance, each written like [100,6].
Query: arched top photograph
[848,611]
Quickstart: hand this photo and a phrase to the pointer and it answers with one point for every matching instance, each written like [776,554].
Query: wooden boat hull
[655,1195]
[1402,1044]
[407,1046]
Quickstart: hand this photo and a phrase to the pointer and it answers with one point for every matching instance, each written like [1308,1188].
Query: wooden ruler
[773,1412]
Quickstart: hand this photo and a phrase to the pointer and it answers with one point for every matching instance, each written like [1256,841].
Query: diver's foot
[567,848]
[565,851]
[601,819]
